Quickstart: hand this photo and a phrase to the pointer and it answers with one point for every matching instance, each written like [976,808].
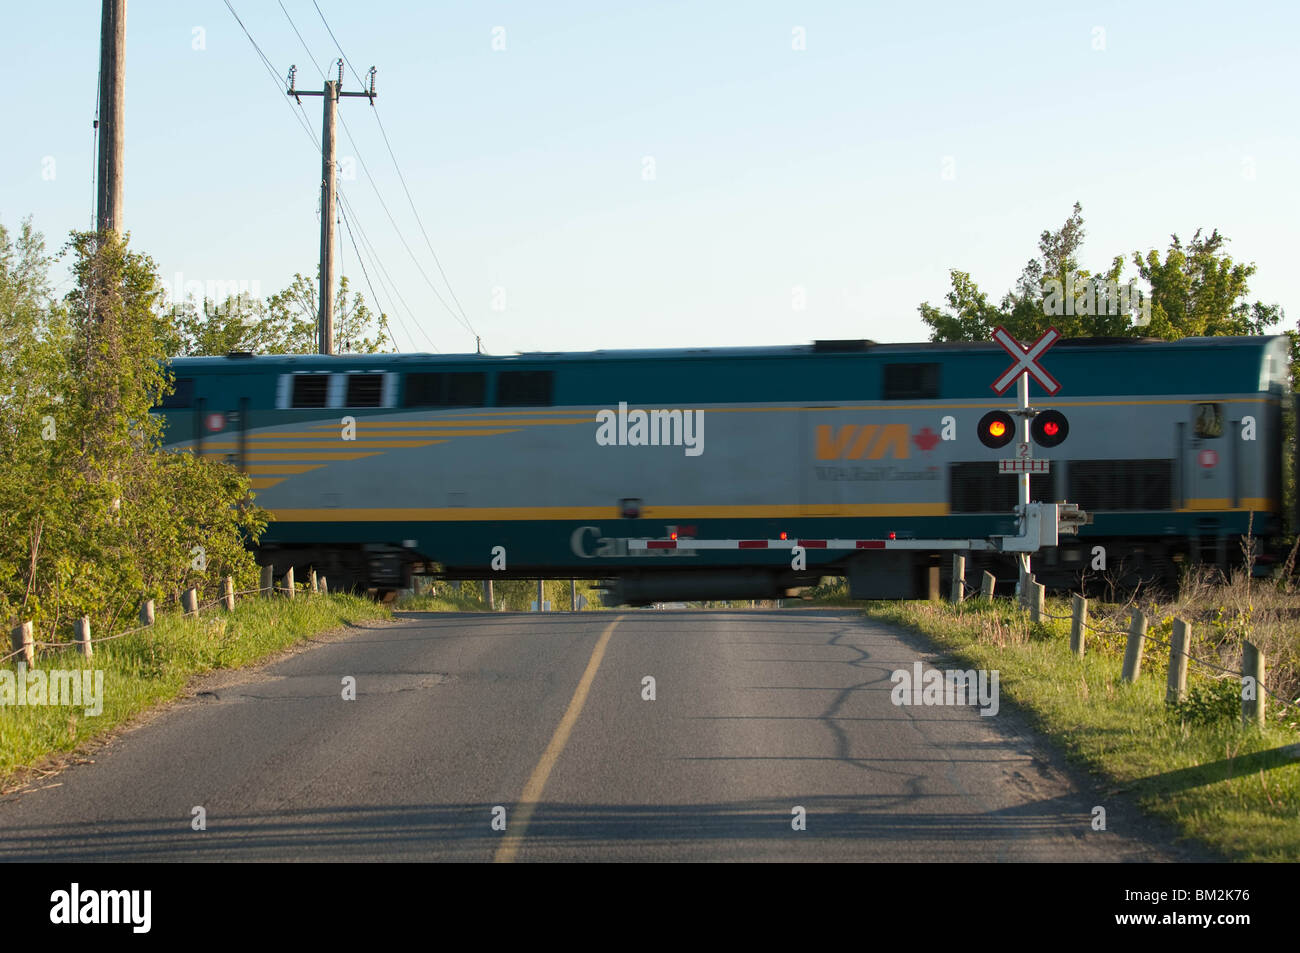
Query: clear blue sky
[775,168]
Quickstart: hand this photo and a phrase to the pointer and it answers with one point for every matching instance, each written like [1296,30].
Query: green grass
[1193,766]
[154,665]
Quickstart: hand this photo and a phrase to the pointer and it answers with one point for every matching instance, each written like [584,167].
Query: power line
[366,275]
[381,269]
[275,78]
[402,178]
[374,185]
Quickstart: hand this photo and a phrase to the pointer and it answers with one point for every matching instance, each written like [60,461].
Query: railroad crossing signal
[1026,360]
[1049,428]
[997,429]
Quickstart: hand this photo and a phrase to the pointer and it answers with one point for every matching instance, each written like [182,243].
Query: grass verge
[153,665]
[1234,790]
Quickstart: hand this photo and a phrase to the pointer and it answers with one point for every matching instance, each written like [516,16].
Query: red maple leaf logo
[926,439]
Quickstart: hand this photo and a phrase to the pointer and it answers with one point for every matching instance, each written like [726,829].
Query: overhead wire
[366,276]
[375,187]
[402,178]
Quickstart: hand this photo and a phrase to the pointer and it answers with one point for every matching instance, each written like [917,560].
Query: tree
[93,515]
[285,323]
[1194,291]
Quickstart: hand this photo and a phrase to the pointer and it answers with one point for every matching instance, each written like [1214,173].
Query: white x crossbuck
[1026,360]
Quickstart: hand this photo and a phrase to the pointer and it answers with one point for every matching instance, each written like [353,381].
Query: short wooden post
[311,580]
[228,594]
[987,584]
[488,591]
[22,642]
[324,587]
[146,612]
[83,636]
[1137,632]
[1176,690]
[288,583]
[958,579]
[1026,588]
[1252,666]
[573,595]
[190,601]
[1038,601]
[267,583]
[1078,622]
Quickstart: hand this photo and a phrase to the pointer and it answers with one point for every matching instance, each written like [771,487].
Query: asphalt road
[755,714]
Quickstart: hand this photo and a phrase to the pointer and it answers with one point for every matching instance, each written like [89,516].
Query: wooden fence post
[987,584]
[311,579]
[267,582]
[1078,620]
[1176,690]
[958,579]
[288,582]
[22,641]
[228,593]
[1252,666]
[324,587]
[1137,631]
[190,601]
[1038,603]
[83,636]
[488,592]
[146,613]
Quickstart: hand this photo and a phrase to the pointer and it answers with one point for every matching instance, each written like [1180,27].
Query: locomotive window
[446,390]
[524,388]
[911,381]
[365,390]
[310,390]
[1209,420]
[183,396]
[980,488]
[1121,484]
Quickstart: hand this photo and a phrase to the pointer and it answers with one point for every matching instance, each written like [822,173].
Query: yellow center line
[537,781]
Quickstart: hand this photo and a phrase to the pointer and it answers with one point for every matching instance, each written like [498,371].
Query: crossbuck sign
[1026,360]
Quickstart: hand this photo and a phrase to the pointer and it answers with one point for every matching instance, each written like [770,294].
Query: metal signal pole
[330,94]
[112,100]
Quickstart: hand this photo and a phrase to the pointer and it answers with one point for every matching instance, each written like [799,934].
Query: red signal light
[996,429]
[893,535]
[1050,428]
[783,536]
[672,535]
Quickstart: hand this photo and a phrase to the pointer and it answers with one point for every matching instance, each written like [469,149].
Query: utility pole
[331,92]
[112,100]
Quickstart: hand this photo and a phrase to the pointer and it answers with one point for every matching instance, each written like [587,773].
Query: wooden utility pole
[331,92]
[112,99]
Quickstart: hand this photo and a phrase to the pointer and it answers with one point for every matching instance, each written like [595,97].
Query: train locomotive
[381,467]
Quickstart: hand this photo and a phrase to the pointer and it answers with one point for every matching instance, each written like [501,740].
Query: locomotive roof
[852,347]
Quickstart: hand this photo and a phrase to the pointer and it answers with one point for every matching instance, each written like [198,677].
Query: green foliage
[1194,290]
[93,516]
[1209,703]
[285,323]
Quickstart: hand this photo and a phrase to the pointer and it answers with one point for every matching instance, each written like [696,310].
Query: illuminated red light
[783,536]
[893,536]
[1051,428]
[997,428]
[672,535]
